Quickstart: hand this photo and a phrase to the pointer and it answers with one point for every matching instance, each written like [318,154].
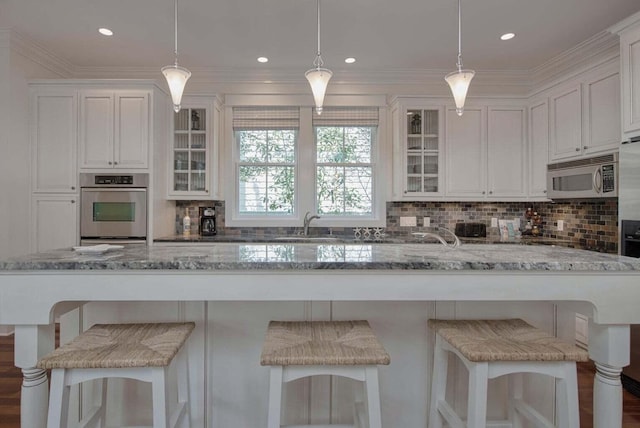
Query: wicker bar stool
[133,351]
[493,348]
[309,348]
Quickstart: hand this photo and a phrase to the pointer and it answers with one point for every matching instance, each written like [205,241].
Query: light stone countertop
[331,256]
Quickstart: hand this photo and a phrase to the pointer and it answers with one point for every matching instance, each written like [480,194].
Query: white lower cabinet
[54,221]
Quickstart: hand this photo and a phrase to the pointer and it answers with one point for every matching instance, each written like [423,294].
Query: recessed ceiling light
[350,60]
[105,31]
[263,59]
[507,36]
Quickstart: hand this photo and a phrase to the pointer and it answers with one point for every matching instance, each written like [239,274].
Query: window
[266,142]
[344,170]
[286,161]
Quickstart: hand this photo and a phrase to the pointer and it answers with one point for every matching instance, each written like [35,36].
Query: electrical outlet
[494,222]
[426,221]
[560,225]
[408,222]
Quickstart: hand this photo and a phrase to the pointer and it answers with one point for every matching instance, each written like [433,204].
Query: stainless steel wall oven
[113,207]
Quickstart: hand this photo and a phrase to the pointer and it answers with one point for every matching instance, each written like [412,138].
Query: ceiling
[383,35]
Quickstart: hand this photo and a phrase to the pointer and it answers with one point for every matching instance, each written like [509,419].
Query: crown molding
[625,24]
[29,49]
[596,50]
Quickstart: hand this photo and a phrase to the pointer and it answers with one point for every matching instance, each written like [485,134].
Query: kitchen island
[34,288]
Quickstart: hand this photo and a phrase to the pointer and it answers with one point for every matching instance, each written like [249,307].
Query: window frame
[305,183]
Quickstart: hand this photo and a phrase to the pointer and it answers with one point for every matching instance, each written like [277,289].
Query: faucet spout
[307,221]
[456,241]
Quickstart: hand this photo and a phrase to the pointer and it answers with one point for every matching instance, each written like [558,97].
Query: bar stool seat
[297,349]
[493,348]
[134,351]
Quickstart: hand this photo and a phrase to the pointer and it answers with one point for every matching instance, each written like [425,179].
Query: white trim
[29,49]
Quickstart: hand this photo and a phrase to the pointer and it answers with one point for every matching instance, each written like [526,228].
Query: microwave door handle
[597,180]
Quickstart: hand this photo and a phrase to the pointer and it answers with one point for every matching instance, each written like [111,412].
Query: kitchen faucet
[456,241]
[307,221]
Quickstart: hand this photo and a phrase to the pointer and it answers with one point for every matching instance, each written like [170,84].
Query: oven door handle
[597,180]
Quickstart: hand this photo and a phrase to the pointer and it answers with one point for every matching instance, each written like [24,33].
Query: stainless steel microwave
[589,178]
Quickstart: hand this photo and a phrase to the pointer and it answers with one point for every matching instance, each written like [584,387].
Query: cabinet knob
[585,147]
[483,192]
[577,149]
[110,163]
[73,201]
[115,163]
[73,187]
[491,192]
[544,191]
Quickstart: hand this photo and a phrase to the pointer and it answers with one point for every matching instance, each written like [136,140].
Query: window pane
[281,147]
[253,145]
[265,190]
[357,145]
[329,142]
[344,190]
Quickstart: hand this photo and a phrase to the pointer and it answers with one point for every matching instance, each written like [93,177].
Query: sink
[307,239]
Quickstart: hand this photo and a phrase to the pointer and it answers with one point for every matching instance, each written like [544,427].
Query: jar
[416,124]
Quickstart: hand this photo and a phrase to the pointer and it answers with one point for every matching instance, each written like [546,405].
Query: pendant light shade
[176,76]
[460,79]
[459,82]
[318,77]
[176,79]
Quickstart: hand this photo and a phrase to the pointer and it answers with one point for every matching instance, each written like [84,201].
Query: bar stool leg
[477,401]
[275,396]
[373,397]
[58,400]
[515,395]
[102,412]
[159,393]
[568,409]
[438,383]
[183,387]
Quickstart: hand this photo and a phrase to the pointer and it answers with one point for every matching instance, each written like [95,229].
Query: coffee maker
[207,221]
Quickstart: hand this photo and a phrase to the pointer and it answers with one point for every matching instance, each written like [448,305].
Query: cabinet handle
[577,149]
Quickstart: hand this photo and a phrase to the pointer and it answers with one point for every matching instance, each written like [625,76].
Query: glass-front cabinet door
[422,154]
[191,151]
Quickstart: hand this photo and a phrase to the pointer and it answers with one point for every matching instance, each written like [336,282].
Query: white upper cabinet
[601,124]
[538,147]
[565,123]
[466,153]
[506,160]
[114,129]
[629,31]
[54,140]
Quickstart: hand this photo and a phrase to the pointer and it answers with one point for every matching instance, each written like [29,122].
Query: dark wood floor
[11,378]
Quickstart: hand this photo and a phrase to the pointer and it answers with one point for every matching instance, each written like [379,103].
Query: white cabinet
[538,147]
[506,160]
[565,123]
[601,106]
[466,152]
[630,74]
[54,221]
[54,140]
[114,129]
[584,118]
[486,151]
[193,151]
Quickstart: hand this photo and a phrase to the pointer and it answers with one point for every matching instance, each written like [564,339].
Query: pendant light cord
[318,61]
[175,14]
[459,63]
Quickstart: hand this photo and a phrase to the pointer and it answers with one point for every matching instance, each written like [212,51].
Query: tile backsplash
[587,224]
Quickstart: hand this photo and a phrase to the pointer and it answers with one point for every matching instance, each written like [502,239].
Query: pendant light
[318,77]
[176,76]
[460,79]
